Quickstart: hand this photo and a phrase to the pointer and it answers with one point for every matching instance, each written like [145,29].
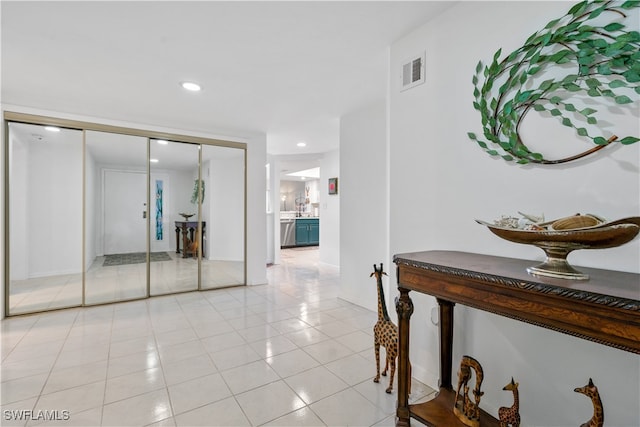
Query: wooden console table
[187,229]
[604,309]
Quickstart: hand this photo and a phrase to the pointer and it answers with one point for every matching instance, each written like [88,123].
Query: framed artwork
[333,185]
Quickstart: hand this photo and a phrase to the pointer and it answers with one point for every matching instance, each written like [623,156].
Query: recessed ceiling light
[153,160]
[162,141]
[194,87]
[302,178]
[301,144]
[52,128]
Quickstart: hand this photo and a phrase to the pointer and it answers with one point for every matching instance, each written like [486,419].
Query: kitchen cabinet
[307,231]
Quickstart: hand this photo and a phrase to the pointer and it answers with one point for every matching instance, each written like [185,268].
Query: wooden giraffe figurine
[385,333]
[510,416]
[591,391]
[466,409]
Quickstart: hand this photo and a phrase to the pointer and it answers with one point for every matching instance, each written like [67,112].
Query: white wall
[364,207]
[440,181]
[54,197]
[19,153]
[329,210]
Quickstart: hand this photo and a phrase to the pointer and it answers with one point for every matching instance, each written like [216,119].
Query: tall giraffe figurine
[510,416]
[591,391]
[385,333]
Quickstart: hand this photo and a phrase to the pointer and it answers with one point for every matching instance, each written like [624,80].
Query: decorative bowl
[558,243]
[186,216]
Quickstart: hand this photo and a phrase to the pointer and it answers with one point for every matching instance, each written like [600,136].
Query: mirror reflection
[223,209]
[98,217]
[175,239]
[45,218]
[115,215]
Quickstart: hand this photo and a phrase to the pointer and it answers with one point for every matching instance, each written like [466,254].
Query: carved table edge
[575,294]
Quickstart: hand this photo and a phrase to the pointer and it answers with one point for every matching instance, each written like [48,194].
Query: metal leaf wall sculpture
[589,53]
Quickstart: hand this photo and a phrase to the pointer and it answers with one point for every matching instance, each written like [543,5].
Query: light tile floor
[289,353]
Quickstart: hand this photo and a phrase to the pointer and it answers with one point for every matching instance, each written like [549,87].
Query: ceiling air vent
[413,72]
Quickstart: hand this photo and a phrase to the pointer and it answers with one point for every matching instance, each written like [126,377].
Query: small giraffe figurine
[466,409]
[385,333]
[591,391]
[510,416]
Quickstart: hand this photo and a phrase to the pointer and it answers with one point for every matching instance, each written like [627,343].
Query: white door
[125,225]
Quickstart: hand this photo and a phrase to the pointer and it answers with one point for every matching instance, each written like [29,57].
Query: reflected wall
[45,218]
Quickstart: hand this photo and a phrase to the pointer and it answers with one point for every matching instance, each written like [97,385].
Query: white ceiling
[289,69]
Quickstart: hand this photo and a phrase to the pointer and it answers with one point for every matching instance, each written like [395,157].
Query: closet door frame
[16,117]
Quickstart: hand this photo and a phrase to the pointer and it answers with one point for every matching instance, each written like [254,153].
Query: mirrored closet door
[223,174]
[176,240]
[45,218]
[115,217]
[100,214]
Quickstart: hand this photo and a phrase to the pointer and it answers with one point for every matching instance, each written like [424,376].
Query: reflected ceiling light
[162,141]
[52,128]
[302,178]
[301,144]
[153,160]
[193,87]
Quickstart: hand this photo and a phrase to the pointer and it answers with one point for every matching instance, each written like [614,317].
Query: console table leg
[404,308]
[446,342]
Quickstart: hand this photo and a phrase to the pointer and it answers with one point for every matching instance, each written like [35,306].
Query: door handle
[144,214]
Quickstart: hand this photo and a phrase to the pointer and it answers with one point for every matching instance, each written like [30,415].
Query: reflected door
[125,213]
[115,226]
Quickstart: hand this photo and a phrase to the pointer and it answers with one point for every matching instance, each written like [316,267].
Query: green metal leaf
[524,96]
[592,120]
[571,87]
[555,100]
[592,82]
[567,122]
[492,152]
[600,140]
[613,84]
[582,132]
[533,70]
[604,69]
[629,140]
[555,112]
[472,135]
[593,92]
[630,4]
[479,67]
[578,8]
[569,107]
[623,99]
[552,24]
[614,26]
[587,111]
[632,76]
